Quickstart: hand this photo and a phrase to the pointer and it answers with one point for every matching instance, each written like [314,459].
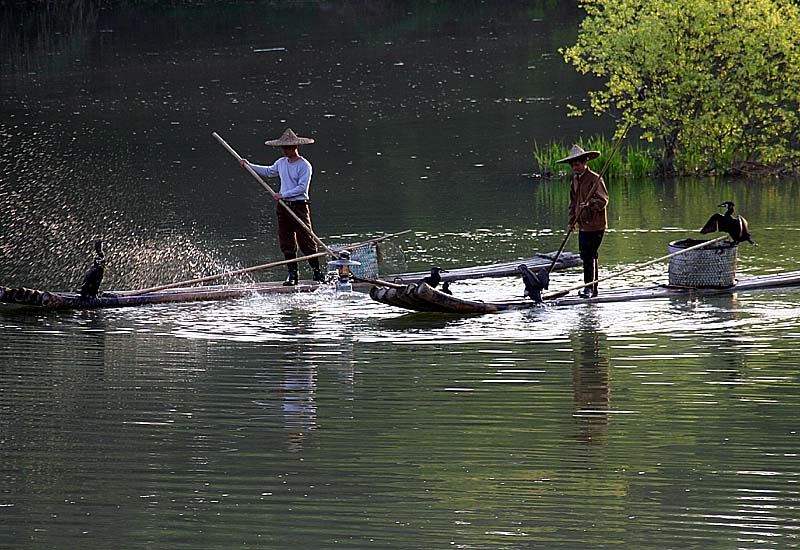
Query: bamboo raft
[421,297]
[42,299]
[504,269]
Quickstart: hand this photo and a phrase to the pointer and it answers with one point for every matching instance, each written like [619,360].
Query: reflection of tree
[591,380]
[35,35]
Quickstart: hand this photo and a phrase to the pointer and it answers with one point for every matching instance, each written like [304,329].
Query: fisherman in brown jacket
[588,199]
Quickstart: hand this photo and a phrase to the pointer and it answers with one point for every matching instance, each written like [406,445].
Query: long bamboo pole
[634,268]
[274,195]
[377,282]
[260,267]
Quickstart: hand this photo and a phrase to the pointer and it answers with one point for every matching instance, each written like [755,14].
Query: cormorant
[534,282]
[736,226]
[90,285]
[434,278]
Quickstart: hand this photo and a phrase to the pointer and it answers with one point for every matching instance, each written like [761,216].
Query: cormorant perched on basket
[90,286]
[534,282]
[435,277]
[736,226]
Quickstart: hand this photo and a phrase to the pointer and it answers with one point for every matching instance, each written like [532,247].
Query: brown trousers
[291,234]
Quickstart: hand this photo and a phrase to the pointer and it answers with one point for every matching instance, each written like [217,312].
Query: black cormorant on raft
[435,277]
[90,286]
[534,282]
[736,227]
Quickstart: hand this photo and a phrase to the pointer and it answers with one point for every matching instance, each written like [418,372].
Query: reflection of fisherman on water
[295,387]
[591,377]
[298,391]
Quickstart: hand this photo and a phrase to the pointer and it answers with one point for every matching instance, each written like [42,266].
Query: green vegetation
[630,160]
[722,79]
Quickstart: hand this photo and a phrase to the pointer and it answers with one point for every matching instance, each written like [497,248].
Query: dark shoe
[586,293]
[318,276]
[291,280]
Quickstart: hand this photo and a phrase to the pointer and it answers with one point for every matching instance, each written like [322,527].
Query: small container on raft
[708,267]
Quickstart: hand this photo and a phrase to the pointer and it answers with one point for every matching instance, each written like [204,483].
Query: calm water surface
[324,420]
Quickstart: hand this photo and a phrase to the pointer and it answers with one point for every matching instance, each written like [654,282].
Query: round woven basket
[709,267]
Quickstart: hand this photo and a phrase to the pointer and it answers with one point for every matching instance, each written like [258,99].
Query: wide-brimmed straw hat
[577,152]
[289,138]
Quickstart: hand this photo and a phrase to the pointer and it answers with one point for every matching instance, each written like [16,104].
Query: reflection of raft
[421,297]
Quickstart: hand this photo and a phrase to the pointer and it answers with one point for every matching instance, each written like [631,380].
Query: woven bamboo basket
[709,267]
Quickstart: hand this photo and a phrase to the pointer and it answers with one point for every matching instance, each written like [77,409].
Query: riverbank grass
[630,160]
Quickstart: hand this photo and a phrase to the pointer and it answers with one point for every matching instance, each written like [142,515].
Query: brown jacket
[593,216]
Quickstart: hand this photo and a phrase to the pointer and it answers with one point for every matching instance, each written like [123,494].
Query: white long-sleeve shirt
[295,177]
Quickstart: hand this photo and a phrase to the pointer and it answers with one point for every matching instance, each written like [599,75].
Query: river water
[324,420]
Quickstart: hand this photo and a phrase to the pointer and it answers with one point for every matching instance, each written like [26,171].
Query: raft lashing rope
[367,256]
[709,267]
[25,296]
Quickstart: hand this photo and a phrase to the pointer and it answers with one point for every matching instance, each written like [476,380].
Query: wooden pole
[274,195]
[260,267]
[377,282]
[634,268]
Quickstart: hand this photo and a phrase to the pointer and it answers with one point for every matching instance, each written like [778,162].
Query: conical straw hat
[289,138]
[577,152]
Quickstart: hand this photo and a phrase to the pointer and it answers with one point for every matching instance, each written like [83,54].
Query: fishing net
[710,267]
[368,257]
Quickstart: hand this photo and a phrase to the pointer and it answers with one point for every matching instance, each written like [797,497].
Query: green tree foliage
[722,78]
